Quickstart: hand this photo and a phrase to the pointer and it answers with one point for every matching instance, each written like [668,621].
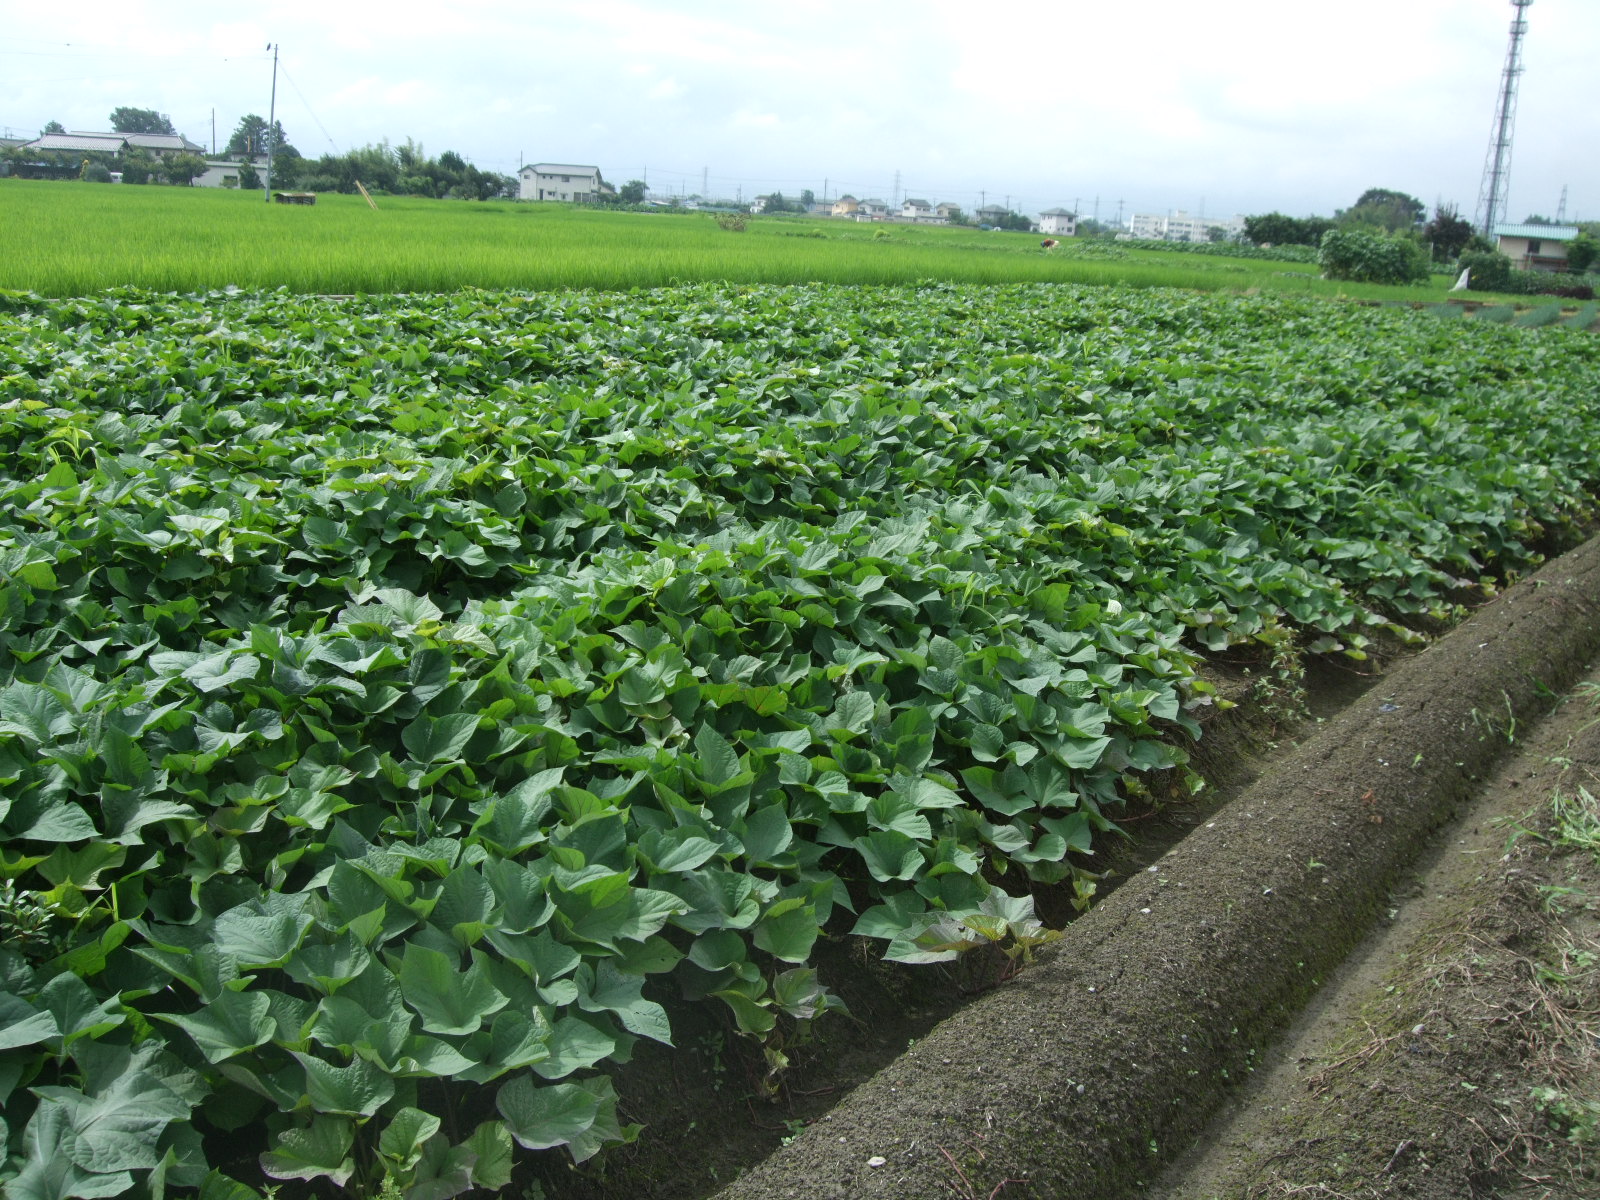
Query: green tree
[1380,208]
[1276,229]
[140,120]
[250,138]
[248,179]
[183,168]
[136,165]
[1449,232]
[631,192]
[52,127]
[1582,252]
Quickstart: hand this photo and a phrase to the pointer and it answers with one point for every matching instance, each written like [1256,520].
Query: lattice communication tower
[1497,166]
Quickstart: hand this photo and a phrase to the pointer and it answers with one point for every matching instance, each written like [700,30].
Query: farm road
[1094,1067]
[1456,1053]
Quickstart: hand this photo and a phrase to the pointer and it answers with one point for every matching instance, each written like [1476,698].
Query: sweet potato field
[409,703]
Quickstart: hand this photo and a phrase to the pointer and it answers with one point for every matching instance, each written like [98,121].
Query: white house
[947,211]
[916,210]
[1535,247]
[1058,221]
[559,181]
[874,210]
[221,174]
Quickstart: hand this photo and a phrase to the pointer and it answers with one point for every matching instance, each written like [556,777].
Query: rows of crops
[405,702]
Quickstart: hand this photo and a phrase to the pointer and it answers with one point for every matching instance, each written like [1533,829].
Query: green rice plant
[69,239]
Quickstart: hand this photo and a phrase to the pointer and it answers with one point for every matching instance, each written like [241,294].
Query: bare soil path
[1456,1053]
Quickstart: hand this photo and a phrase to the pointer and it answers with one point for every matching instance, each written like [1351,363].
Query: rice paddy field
[73,239]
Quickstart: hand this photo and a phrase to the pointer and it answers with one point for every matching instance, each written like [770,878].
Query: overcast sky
[1150,105]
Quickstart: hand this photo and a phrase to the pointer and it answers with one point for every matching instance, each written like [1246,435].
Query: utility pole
[1120,203]
[705,182]
[1097,210]
[1493,194]
[272,118]
[894,197]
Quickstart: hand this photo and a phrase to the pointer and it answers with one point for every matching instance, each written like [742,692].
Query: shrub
[1490,270]
[1582,252]
[732,222]
[1546,285]
[1359,257]
[97,173]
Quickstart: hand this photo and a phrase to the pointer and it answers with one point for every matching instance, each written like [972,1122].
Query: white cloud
[1263,104]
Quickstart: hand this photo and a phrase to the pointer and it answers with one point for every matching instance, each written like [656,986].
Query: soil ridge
[1119,1045]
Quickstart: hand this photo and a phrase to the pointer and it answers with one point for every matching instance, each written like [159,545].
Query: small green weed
[1575,1118]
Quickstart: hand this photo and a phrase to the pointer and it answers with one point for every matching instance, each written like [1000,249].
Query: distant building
[1535,247]
[560,182]
[916,210]
[1179,226]
[846,206]
[158,144]
[224,173]
[991,214]
[873,210]
[947,211]
[1058,221]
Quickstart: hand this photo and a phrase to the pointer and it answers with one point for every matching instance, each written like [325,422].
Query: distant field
[67,239]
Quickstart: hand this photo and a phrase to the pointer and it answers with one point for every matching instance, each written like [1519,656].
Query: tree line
[1389,237]
[398,170]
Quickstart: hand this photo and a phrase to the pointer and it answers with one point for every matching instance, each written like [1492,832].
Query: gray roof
[162,141]
[560,169]
[1550,233]
[109,143]
[910,203]
[114,143]
[1058,212]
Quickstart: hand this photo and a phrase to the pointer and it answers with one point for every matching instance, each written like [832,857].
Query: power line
[315,119]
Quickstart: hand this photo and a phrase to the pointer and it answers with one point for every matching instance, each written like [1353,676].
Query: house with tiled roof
[1535,247]
[158,144]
